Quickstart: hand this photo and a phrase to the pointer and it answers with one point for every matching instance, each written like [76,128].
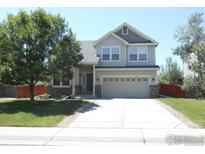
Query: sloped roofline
[132,29]
[108,34]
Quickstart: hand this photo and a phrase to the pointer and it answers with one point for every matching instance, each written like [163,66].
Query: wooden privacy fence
[171,90]
[22,91]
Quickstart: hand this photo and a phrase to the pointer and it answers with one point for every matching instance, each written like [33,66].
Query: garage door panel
[125,87]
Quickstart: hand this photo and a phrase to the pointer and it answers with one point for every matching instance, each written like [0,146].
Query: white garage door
[125,87]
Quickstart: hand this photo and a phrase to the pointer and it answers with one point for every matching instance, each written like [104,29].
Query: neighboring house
[191,59]
[122,63]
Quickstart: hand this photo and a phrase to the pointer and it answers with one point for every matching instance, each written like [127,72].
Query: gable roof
[132,29]
[112,34]
[136,31]
[89,52]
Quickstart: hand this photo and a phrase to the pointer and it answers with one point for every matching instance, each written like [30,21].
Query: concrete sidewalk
[88,136]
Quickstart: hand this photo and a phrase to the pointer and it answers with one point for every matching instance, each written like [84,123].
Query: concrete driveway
[125,113]
[108,123]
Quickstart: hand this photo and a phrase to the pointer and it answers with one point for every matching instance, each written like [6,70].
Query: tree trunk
[31,88]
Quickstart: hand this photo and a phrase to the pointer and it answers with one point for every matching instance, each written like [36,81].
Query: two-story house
[122,63]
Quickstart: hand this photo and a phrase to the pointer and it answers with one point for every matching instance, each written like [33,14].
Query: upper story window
[111,53]
[142,54]
[138,54]
[106,54]
[115,53]
[133,54]
[124,30]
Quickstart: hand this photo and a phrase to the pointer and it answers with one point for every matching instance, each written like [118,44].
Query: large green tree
[170,73]
[35,46]
[191,37]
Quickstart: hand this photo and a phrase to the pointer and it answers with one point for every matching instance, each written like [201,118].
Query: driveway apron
[125,113]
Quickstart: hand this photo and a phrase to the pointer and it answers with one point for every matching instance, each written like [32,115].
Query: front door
[89,83]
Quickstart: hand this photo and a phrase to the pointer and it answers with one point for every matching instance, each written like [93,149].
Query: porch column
[73,82]
[93,80]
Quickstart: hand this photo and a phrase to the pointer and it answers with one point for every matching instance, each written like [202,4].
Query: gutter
[124,69]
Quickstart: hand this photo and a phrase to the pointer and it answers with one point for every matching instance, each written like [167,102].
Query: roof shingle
[89,52]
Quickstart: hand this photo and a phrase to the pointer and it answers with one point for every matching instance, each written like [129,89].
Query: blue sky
[157,23]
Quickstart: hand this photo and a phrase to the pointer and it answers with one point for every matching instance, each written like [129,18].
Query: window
[138,54]
[63,81]
[142,54]
[56,81]
[115,53]
[133,54]
[110,53]
[124,30]
[106,54]
[144,79]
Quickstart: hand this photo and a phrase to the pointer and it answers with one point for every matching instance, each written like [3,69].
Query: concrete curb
[66,136]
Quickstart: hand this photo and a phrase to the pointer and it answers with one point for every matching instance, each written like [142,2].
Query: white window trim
[110,47]
[102,54]
[126,32]
[138,60]
[130,54]
[61,85]
[146,52]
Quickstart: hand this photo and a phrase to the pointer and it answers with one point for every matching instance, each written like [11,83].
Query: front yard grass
[191,108]
[44,113]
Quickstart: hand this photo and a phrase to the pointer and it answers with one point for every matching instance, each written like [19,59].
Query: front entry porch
[84,77]
[88,83]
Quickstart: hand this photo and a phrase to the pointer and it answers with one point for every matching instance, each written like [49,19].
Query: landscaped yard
[42,114]
[191,108]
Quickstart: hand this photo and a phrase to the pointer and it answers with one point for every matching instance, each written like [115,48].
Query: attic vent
[124,30]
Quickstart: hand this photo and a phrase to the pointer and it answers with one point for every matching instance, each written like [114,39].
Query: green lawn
[191,108]
[42,114]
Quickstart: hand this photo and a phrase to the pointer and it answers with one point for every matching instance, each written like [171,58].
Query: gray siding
[132,37]
[124,55]
[112,41]
[151,58]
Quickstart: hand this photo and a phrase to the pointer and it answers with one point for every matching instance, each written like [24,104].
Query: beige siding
[112,41]
[151,57]
[124,56]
